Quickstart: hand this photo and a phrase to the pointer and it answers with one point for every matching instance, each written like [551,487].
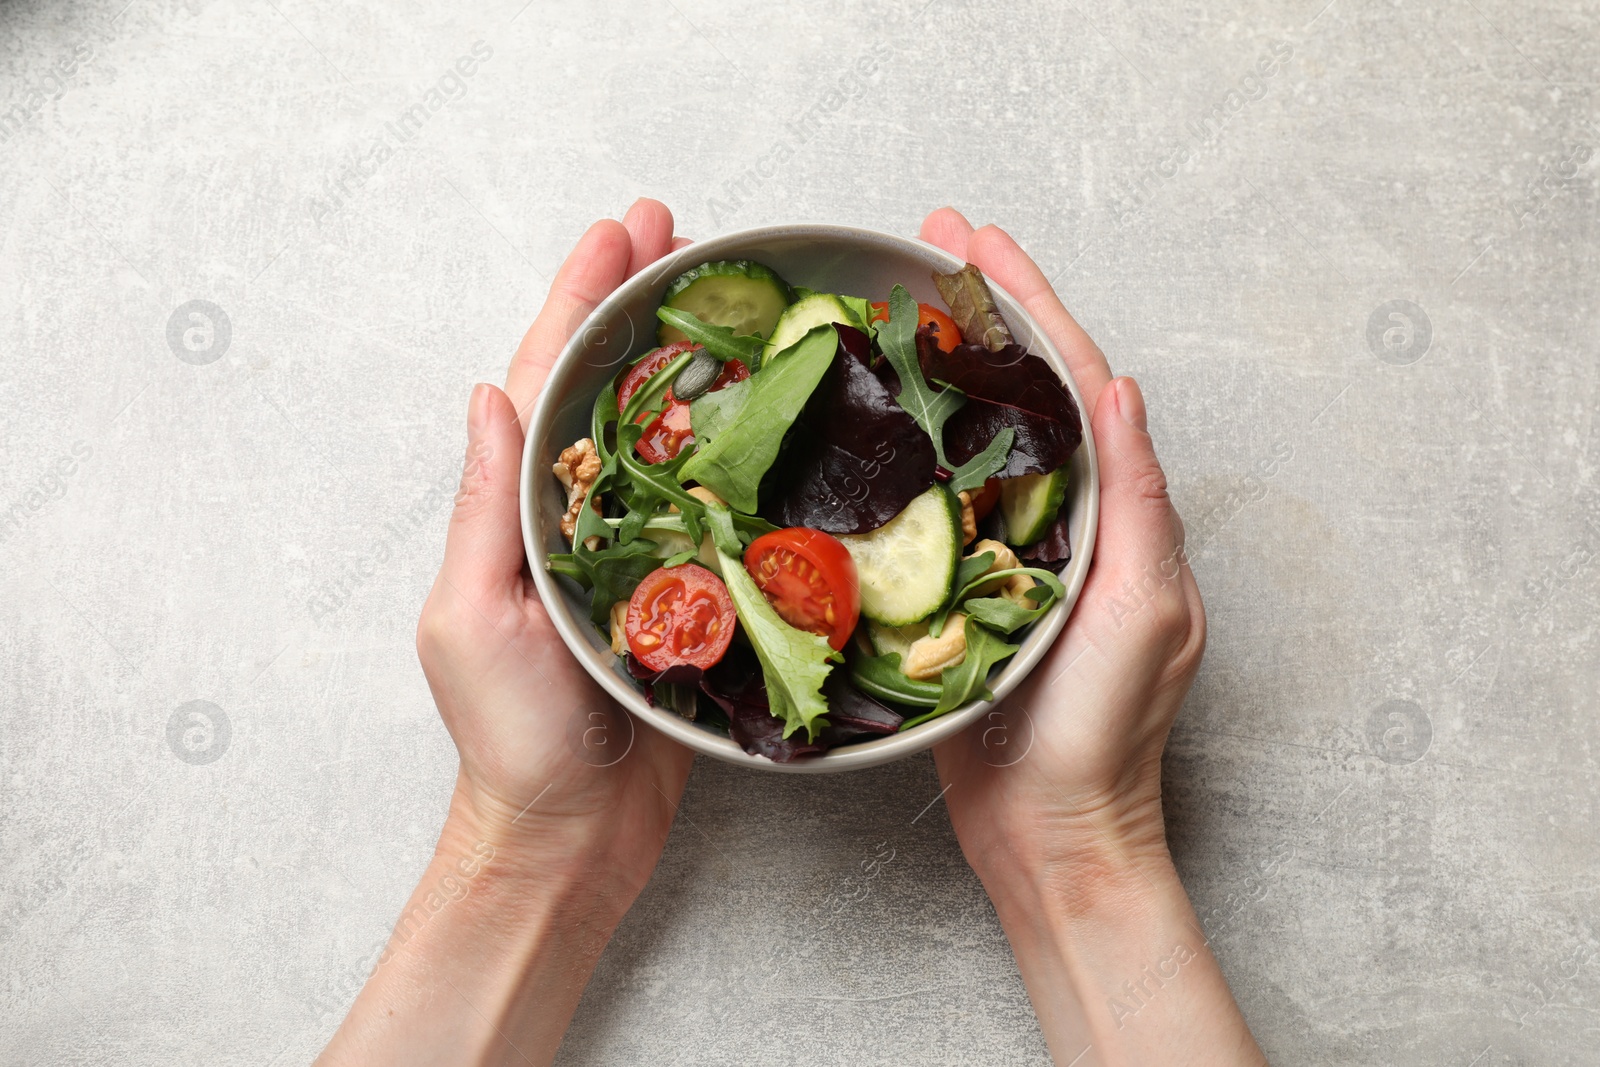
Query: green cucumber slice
[896,639]
[805,313]
[741,294]
[907,565]
[1029,502]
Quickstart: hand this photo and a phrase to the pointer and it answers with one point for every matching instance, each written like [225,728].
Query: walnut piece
[619,621]
[928,656]
[969,519]
[577,468]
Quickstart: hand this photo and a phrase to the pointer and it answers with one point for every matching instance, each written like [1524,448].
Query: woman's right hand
[1056,796]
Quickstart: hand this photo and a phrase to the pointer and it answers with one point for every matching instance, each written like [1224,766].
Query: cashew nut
[928,656]
[1004,560]
[619,622]
[969,518]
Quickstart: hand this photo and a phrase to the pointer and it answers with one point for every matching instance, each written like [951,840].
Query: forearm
[1117,967]
[486,963]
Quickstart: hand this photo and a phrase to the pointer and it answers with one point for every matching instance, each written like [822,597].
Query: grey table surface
[1349,248]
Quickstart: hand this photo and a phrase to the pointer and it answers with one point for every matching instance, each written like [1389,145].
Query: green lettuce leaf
[794,663]
[738,429]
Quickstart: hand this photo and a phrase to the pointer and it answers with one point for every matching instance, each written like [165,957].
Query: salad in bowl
[809,519]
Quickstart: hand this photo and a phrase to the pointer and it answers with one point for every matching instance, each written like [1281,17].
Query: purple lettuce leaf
[853,715]
[855,457]
[735,682]
[1009,387]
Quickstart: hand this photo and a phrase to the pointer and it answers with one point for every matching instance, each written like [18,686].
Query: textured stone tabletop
[1351,253]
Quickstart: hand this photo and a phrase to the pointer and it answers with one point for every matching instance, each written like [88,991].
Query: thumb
[1138,526]
[483,550]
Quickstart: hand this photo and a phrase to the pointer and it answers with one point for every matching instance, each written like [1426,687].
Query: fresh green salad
[808,518]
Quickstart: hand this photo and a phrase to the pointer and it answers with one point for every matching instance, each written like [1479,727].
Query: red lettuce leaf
[735,682]
[853,715]
[855,457]
[1008,387]
[1053,550]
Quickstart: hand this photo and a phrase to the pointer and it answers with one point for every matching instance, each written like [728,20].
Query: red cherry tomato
[669,433]
[809,579]
[948,334]
[984,500]
[679,615]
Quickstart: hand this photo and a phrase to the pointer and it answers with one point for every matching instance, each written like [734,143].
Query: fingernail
[1130,403]
[478,412]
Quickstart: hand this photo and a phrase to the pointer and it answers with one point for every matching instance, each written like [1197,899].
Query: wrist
[537,863]
[1100,854]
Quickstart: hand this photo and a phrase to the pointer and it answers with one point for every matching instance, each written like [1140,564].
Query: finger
[483,549]
[949,229]
[596,266]
[1004,261]
[649,224]
[1143,562]
[681,242]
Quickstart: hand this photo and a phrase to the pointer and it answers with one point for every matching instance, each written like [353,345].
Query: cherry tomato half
[948,335]
[809,579]
[669,433]
[679,615]
[984,500]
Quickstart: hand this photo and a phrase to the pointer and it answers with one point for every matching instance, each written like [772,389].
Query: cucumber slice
[896,639]
[907,565]
[747,296]
[1029,502]
[803,315]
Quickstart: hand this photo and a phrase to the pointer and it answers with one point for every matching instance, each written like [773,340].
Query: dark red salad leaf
[1009,387]
[1053,550]
[855,458]
[736,684]
[852,714]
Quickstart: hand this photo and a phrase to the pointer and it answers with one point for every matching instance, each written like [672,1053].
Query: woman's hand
[550,765]
[561,806]
[1056,798]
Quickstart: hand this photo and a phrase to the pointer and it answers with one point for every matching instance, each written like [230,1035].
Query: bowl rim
[858,755]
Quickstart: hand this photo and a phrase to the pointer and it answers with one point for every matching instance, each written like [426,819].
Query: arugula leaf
[720,522]
[738,429]
[680,558]
[605,413]
[1006,616]
[655,387]
[969,678]
[615,572]
[898,339]
[659,480]
[980,468]
[969,578]
[794,663]
[720,341]
[932,409]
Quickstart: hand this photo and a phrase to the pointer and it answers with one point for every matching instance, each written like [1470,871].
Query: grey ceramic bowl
[841,259]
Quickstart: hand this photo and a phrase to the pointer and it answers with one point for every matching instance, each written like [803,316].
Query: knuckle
[1149,482]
